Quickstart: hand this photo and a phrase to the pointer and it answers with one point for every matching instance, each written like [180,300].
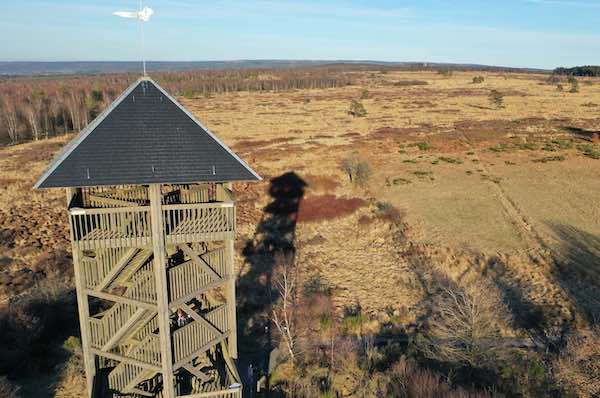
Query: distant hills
[87,68]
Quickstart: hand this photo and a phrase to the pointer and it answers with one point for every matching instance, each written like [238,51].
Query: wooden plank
[200,261]
[160,272]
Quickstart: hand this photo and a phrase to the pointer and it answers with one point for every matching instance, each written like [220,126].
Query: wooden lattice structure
[152,234]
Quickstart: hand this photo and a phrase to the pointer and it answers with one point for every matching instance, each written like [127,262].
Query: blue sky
[528,33]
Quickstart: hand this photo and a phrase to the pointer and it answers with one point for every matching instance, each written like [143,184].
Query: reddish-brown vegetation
[327,207]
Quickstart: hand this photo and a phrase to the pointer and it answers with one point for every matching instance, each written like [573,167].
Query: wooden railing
[188,277]
[95,269]
[147,351]
[115,196]
[196,222]
[194,336]
[123,375]
[102,329]
[144,286]
[116,227]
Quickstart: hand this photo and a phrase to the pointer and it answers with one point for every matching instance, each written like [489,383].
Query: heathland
[445,234]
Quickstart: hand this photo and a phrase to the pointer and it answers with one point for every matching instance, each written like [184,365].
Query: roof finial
[143,15]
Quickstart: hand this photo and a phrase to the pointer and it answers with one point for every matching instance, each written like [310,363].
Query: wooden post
[231,303]
[83,307]
[160,273]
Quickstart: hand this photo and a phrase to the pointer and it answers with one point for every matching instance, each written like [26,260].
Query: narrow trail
[536,280]
[534,239]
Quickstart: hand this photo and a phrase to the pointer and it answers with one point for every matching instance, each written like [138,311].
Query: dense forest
[38,108]
[589,71]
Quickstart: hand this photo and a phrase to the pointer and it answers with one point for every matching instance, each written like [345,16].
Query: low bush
[574,84]
[358,169]
[388,212]
[496,98]
[478,79]
[589,150]
[357,109]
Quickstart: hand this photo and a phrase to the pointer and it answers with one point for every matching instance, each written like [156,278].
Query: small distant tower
[152,219]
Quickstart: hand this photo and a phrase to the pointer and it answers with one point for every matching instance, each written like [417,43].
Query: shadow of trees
[582,133]
[578,269]
[274,237]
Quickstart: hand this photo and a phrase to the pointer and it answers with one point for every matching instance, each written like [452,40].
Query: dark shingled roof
[144,137]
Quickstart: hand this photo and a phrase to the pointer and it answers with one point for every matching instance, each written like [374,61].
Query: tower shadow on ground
[274,238]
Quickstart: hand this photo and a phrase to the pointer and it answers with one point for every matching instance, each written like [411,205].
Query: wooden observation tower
[152,221]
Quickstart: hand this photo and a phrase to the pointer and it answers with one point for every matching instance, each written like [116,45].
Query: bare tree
[10,115]
[31,109]
[283,311]
[466,326]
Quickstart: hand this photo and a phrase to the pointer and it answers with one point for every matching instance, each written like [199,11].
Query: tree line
[38,108]
[588,71]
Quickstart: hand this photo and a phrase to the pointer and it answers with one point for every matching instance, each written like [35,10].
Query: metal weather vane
[143,15]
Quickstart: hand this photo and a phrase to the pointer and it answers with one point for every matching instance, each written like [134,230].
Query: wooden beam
[197,373]
[200,319]
[190,296]
[125,329]
[230,296]
[82,306]
[112,274]
[232,366]
[200,261]
[160,277]
[120,299]
[121,358]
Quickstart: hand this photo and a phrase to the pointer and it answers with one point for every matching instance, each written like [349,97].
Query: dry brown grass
[490,217]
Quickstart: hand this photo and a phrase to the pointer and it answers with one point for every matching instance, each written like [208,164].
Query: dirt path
[535,277]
